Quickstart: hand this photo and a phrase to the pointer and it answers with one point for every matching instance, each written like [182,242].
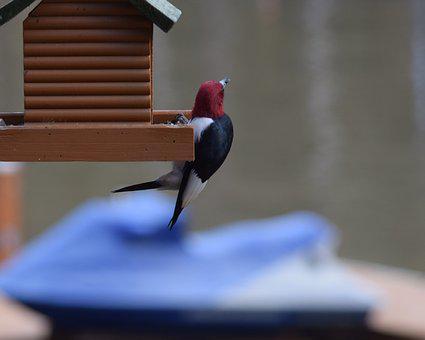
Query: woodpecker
[213,137]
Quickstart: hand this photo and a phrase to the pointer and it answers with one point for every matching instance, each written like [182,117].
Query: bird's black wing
[213,147]
[210,152]
[178,208]
[141,186]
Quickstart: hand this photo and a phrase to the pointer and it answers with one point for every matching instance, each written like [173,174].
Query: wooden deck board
[95,142]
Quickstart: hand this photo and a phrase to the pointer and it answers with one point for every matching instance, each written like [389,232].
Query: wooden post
[10,208]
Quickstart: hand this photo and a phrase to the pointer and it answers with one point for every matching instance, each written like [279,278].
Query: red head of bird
[209,100]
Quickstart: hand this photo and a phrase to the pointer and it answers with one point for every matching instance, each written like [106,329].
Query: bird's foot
[180,119]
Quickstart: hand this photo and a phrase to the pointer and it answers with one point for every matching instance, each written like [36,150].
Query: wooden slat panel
[84,9]
[85,36]
[86,49]
[75,89]
[151,72]
[112,142]
[159,116]
[87,115]
[87,102]
[81,63]
[71,76]
[81,58]
[106,22]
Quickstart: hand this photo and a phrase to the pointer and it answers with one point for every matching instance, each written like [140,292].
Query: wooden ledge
[158,117]
[95,142]
[163,116]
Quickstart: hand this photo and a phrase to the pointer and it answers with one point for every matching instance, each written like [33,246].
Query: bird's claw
[180,119]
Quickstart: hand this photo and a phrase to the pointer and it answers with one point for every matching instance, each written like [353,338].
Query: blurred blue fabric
[118,254]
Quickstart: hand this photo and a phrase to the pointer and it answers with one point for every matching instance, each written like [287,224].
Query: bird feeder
[88,84]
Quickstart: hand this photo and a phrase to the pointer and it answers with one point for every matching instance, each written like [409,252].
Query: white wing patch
[193,189]
[194,184]
[199,125]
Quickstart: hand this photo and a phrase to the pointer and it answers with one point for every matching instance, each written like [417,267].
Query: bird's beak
[224,82]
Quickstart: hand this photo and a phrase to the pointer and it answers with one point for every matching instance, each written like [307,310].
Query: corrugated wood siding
[87,61]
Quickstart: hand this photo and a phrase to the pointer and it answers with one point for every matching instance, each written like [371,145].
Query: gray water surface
[328,103]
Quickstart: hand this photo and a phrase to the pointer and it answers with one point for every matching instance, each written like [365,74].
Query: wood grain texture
[151,74]
[159,116]
[84,9]
[84,63]
[100,142]
[73,76]
[87,49]
[160,12]
[75,89]
[88,115]
[87,22]
[86,35]
[87,102]
[83,56]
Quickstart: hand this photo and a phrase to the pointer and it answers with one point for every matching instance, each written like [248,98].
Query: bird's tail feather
[177,212]
[141,186]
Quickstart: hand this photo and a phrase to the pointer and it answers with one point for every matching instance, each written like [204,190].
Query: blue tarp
[116,255]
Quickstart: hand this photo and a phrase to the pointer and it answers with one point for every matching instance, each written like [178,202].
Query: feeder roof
[161,12]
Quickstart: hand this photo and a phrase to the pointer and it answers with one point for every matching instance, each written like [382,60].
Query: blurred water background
[328,103]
